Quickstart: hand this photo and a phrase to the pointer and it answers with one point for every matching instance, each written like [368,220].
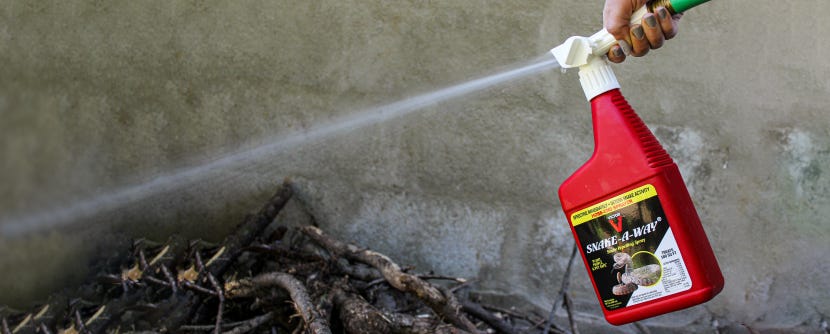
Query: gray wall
[101,96]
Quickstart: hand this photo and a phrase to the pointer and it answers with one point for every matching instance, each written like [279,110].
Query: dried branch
[221,297]
[359,271]
[443,304]
[278,250]
[642,328]
[251,324]
[170,280]
[536,321]
[334,282]
[225,325]
[490,319]
[423,277]
[79,323]
[242,237]
[566,280]
[463,285]
[198,288]
[750,329]
[216,289]
[295,288]
[569,306]
[358,316]
[248,231]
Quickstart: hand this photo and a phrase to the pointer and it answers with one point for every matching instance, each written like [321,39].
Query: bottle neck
[597,77]
[610,94]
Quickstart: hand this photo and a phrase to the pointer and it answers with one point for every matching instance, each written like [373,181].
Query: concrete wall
[96,96]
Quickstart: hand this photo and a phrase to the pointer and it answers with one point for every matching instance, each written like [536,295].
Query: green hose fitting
[674,6]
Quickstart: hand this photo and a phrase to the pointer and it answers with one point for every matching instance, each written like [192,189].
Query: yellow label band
[613,204]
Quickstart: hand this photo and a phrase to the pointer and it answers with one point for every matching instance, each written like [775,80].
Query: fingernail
[638,32]
[626,48]
[663,12]
[651,21]
[618,52]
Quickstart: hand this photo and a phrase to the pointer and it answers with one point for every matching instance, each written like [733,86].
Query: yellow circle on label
[655,261]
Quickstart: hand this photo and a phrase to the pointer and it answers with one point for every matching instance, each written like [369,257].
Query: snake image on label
[630,249]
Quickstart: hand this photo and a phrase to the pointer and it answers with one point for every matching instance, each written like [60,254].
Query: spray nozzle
[577,50]
[595,73]
[574,52]
[588,53]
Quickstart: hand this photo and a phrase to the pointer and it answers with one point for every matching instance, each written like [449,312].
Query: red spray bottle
[634,222]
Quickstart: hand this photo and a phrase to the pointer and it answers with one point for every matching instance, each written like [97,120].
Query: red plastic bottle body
[635,224]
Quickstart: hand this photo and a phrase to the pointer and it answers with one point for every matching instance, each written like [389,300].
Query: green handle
[680,6]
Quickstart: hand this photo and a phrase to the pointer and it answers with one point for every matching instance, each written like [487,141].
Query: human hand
[637,39]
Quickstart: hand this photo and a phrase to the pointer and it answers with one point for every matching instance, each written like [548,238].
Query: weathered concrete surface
[97,95]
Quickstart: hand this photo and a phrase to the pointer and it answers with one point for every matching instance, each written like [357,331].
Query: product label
[631,251]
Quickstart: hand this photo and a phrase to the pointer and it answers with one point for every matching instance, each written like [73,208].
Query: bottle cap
[597,77]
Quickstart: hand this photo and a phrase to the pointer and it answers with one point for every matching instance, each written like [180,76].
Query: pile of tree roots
[266,279]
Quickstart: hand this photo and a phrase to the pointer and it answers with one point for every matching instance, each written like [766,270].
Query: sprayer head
[595,73]
[574,52]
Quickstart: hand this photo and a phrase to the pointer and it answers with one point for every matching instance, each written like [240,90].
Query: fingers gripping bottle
[633,219]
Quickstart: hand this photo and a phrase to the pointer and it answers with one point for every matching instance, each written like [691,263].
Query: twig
[462,285]
[569,306]
[541,324]
[376,282]
[221,297]
[295,288]
[358,316]
[424,277]
[80,323]
[170,280]
[198,288]
[244,234]
[156,281]
[443,304]
[225,325]
[359,270]
[477,311]
[642,328]
[145,269]
[142,260]
[158,261]
[5,327]
[442,277]
[248,231]
[506,311]
[536,322]
[216,289]
[566,278]
[45,329]
[249,325]
[750,329]
[279,250]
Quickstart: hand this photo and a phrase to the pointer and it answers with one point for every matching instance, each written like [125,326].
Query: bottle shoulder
[625,152]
